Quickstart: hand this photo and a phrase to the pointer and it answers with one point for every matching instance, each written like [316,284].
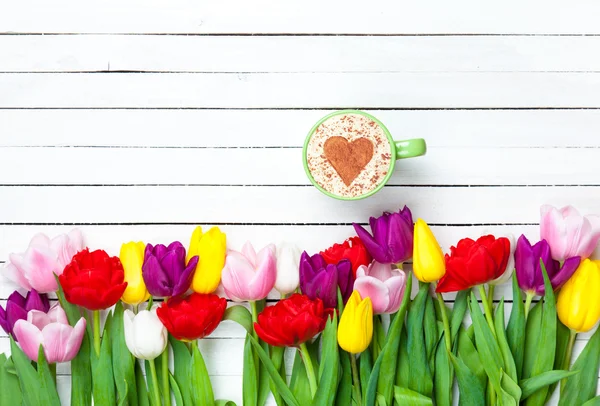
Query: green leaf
[123,401]
[471,388]
[264,382]
[123,361]
[403,365]
[544,361]
[222,402]
[386,363]
[202,393]
[182,362]
[176,391]
[344,391]
[299,384]
[81,367]
[509,363]
[249,378]
[443,376]
[420,378]
[468,355]
[458,312]
[593,402]
[277,354]
[515,331]
[531,385]
[48,393]
[150,383]
[431,333]
[104,382]
[10,392]
[582,387]
[285,392]
[28,377]
[142,391]
[406,396]
[365,366]
[511,392]
[562,341]
[240,315]
[329,367]
[532,339]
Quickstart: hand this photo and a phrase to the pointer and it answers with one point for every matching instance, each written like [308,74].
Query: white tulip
[145,335]
[288,274]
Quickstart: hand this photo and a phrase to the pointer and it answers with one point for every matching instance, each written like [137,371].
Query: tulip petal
[55,339]
[566,271]
[371,245]
[13,271]
[128,332]
[13,313]
[266,271]
[250,253]
[376,290]
[157,282]
[185,279]
[58,315]
[74,341]
[396,286]
[38,319]
[380,271]
[30,338]
[236,276]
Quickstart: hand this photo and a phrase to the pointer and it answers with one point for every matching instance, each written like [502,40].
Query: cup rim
[385,131]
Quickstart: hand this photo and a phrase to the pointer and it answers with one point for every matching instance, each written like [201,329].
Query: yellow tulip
[132,258]
[210,248]
[355,330]
[428,259]
[578,303]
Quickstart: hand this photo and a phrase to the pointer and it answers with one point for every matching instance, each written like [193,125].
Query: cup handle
[410,148]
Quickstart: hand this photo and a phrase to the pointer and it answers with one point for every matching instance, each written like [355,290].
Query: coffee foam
[352,127]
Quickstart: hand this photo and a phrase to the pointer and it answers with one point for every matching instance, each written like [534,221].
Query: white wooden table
[139,120]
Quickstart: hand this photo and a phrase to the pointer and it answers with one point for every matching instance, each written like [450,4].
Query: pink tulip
[52,331]
[384,285]
[569,233]
[36,267]
[247,275]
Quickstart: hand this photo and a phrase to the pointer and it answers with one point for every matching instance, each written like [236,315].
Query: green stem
[165,376]
[154,382]
[136,308]
[567,361]
[356,379]
[310,370]
[447,333]
[53,371]
[528,300]
[254,311]
[487,308]
[96,314]
[194,346]
[491,295]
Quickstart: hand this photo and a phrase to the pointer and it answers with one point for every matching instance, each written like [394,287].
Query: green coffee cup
[398,150]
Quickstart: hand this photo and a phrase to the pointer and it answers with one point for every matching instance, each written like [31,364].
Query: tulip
[473,263]
[352,249]
[52,331]
[18,306]
[428,258]
[321,280]
[132,259]
[93,280]
[392,239]
[193,317]
[210,249]
[383,285]
[249,276]
[529,271]
[165,271]
[569,233]
[288,261]
[510,265]
[292,321]
[44,258]
[578,303]
[355,329]
[146,337]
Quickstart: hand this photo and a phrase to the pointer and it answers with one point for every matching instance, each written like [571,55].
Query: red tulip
[352,249]
[192,317]
[292,321]
[93,280]
[473,263]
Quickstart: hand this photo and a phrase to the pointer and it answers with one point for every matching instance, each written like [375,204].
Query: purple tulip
[18,306]
[320,280]
[392,239]
[165,271]
[529,271]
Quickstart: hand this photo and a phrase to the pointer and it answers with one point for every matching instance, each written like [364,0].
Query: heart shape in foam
[348,158]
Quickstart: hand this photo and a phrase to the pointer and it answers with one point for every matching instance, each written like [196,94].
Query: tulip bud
[145,335]
[428,258]
[132,259]
[355,330]
[578,303]
[288,260]
[210,249]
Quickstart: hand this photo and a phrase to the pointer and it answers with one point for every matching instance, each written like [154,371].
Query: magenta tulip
[384,285]
[44,258]
[52,331]
[247,275]
[17,307]
[569,233]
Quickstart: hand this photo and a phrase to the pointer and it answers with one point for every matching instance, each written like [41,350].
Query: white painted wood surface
[139,120]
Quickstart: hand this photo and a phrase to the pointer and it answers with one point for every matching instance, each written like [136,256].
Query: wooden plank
[301,90]
[298,54]
[381,16]
[283,166]
[241,128]
[180,204]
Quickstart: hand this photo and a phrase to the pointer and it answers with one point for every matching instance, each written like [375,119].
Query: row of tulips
[360,335]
